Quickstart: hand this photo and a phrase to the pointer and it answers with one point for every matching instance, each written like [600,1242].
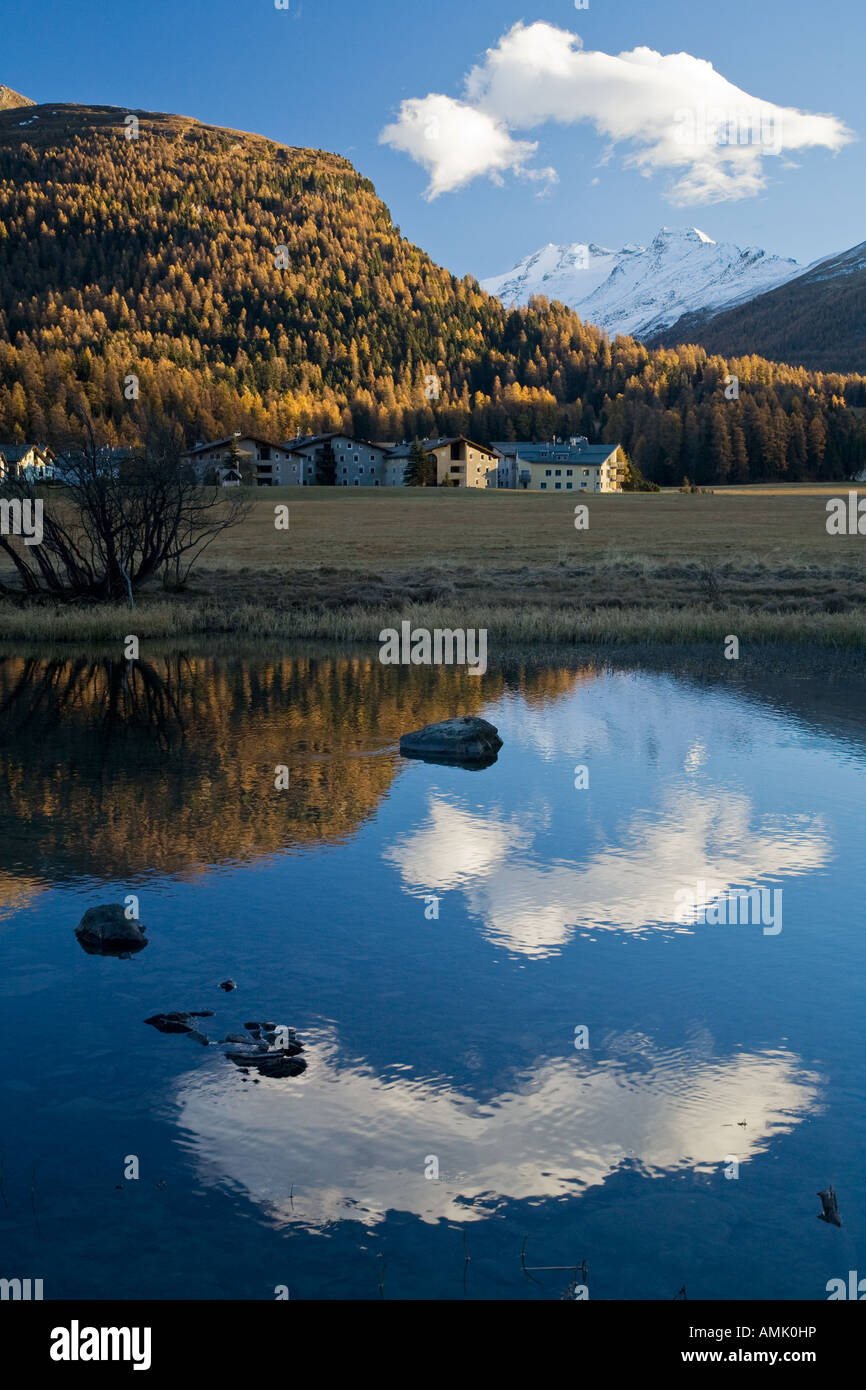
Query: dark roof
[116,453]
[14,453]
[591,454]
[218,443]
[456,439]
[304,441]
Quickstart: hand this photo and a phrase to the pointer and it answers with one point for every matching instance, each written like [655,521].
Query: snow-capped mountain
[815,320]
[641,290]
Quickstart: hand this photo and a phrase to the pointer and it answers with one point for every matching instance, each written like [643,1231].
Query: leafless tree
[119,520]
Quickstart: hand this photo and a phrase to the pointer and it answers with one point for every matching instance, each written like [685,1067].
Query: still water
[722,1081]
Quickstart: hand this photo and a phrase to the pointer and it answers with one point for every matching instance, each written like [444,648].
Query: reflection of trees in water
[132,695]
[113,768]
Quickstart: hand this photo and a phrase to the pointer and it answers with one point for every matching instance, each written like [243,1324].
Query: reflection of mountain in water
[112,768]
[343,1142]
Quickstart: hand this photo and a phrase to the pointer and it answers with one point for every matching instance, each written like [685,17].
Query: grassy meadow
[659,567]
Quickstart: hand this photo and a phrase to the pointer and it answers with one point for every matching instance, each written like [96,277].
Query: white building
[572,465]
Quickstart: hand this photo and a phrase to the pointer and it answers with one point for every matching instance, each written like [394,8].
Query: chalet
[572,465]
[460,462]
[353,462]
[31,463]
[271,465]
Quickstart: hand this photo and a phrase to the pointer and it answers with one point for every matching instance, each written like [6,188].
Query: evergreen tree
[421,467]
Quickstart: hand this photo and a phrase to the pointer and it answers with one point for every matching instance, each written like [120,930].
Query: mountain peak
[673,234]
[10,99]
[642,290]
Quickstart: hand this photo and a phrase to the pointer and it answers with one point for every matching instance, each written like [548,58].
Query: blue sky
[332,74]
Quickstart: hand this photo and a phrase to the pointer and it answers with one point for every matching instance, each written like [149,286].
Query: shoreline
[651,569]
[183,618]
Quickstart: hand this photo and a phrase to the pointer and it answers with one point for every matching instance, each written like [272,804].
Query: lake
[521,1052]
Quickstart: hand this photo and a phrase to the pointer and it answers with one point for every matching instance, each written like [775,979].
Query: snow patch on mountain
[640,290]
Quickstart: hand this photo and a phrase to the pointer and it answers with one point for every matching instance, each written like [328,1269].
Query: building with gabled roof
[355,462]
[460,462]
[272,465]
[32,463]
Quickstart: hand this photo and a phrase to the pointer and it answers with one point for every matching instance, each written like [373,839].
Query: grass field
[667,566]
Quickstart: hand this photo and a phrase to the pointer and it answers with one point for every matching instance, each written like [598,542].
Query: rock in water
[177,1022]
[228,985]
[279,1059]
[269,1063]
[467,742]
[107,931]
[831,1209]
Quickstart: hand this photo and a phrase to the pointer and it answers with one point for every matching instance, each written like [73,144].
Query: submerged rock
[468,742]
[107,931]
[831,1209]
[228,985]
[178,1022]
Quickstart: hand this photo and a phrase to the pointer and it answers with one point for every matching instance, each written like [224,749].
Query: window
[583,485]
[265,452]
[569,486]
[547,473]
[455,450]
[559,485]
[356,460]
[586,472]
[559,472]
[568,472]
[361,469]
[544,484]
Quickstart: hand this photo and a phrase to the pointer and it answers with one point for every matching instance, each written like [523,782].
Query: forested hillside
[817,320]
[158,256]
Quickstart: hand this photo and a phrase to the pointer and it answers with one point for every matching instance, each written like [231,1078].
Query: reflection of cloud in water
[534,908]
[353,1144]
[564,723]
[455,847]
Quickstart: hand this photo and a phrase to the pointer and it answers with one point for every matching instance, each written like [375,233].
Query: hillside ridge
[157,269]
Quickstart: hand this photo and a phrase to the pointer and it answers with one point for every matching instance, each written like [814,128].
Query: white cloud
[672,111]
[455,143]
